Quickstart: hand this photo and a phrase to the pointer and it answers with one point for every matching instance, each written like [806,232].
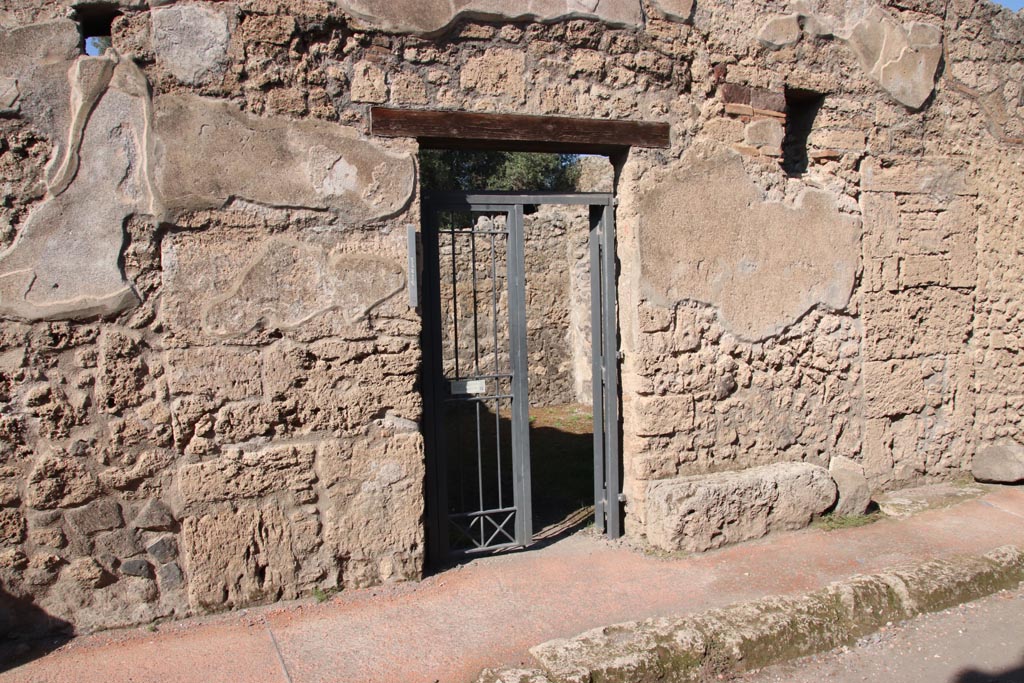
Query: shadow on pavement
[1015,675]
[27,632]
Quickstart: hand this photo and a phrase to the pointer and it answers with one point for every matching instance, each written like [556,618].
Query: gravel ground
[978,642]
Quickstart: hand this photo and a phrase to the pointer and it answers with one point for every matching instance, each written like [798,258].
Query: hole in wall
[94,24]
[802,108]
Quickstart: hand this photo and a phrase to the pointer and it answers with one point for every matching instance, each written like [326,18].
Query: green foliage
[516,171]
[833,522]
[320,595]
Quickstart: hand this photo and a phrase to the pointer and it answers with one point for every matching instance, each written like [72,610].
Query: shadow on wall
[22,628]
[1015,675]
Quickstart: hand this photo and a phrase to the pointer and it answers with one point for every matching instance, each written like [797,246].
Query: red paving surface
[489,612]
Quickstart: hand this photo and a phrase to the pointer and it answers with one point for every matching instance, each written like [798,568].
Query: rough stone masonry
[209,368]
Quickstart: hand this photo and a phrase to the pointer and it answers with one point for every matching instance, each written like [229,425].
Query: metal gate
[475,380]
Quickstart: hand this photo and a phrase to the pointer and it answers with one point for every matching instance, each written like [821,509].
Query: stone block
[170,577]
[191,41]
[830,138]
[368,83]
[164,549]
[678,10]
[87,572]
[765,134]
[853,487]
[276,29]
[893,388]
[117,543]
[137,567]
[59,481]
[225,373]
[498,73]
[709,511]
[238,475]
[98,516]
[734,93]
[12,527]
[928,175]
[778,32]
[881,223]
[662,415]
[999,463]
[763,100]
[408,89]
[924,270]
[916,322]
[287,283]
[239,558]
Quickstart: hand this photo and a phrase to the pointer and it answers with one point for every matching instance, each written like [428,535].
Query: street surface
[979,642]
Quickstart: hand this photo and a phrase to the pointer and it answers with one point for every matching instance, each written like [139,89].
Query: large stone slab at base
[710,511]
[1000,463]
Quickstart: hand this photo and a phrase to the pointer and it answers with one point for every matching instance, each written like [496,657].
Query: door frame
[604,357]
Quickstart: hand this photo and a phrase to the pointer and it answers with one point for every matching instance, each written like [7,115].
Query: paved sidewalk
[489,612]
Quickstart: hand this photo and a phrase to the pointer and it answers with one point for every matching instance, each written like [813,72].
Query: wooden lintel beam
[515,132]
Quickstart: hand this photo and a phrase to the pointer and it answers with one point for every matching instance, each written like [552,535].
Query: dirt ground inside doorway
[562,468]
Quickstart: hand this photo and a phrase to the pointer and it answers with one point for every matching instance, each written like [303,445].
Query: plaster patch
[272,161]
[902,58]
[64,261]
[430,17]
[706,235]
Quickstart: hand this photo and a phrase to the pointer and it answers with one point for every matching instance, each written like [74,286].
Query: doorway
[480,493]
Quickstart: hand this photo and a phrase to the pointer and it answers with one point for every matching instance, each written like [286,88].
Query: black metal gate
[476,402]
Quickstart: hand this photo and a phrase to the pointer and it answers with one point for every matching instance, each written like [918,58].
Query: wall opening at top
[95,22]
[802,108]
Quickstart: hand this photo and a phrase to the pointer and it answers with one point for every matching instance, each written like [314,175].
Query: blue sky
[1012,4]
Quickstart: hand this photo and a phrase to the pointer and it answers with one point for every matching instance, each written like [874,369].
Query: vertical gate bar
[613,485]
[479,460]
[476,317]
[455,301]
[476,371]
[596,364]
[497,369]
[437,467]
[520,387]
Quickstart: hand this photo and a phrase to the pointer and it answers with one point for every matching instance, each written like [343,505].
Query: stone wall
[208,365]
[558,305]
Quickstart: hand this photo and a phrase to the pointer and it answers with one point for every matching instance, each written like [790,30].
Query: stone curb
[766,631]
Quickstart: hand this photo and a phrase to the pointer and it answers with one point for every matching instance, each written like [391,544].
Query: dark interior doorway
[511,442]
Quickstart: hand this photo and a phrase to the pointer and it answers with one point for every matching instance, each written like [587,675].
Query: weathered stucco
[762,264]
[209,367]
